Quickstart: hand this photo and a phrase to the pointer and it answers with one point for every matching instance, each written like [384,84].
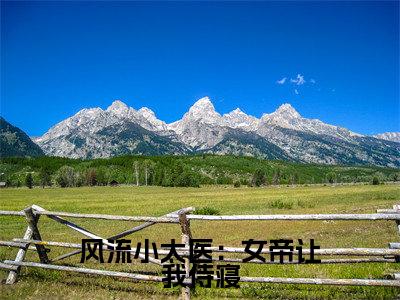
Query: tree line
[180,171]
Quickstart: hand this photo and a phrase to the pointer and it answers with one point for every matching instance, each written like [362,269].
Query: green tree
[375,180]
[276,179]
[102,175]
[158,176]
[45,177]
[187,179]
[65,176]
[29,180]
[396,176]
[79,179]
[331,177]
[166,178]
[296,178]
[91,177]
[259,178]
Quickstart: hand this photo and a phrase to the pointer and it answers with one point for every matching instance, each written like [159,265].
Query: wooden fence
[32,240]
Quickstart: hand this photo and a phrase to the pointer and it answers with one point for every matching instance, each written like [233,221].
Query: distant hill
[15,142]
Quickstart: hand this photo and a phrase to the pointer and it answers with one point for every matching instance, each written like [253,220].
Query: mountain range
[283,134]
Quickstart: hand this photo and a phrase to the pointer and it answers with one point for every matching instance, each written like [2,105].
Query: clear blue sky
[59,57]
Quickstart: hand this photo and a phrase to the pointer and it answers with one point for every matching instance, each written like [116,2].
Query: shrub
[236,184]
[280,204]
[222,179]
[303,204]
[375,180]
[207,211]
[396,177]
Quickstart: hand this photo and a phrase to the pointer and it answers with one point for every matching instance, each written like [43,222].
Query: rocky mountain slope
[15,142]
[389,136]
[283,134]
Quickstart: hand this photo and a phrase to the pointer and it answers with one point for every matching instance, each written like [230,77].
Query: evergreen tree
[45,177]
[375,180]
[29,180]
[259,178]
[330,177]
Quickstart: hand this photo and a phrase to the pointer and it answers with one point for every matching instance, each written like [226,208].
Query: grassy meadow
[156,201]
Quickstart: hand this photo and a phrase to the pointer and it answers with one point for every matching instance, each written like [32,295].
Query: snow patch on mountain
[89,121]
[119,108]
[155,123]
[287,117]
[389,136]
[238,119]
[202,111]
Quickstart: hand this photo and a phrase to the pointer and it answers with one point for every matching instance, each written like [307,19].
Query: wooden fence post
[12,276]
[397,208]
[32,232]
[397,258]
[186,236]
[32,222]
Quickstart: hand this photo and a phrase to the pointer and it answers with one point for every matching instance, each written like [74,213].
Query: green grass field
[156,201]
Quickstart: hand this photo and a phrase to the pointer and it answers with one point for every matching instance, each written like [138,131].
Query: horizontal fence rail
[322,217]
[32,241]
[172,219]
[314,281]
[185,252]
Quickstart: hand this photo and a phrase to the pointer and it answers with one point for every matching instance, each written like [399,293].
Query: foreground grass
[155,201]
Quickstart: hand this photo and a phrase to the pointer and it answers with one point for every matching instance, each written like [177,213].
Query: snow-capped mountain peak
[236,111]
[203,109]
[150,116]
[201,113]
[238,119]
[284,116]
[203,102]
[389,136]
[147,113]
[286,110]
[287,117]
[87,112]
[119,108]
